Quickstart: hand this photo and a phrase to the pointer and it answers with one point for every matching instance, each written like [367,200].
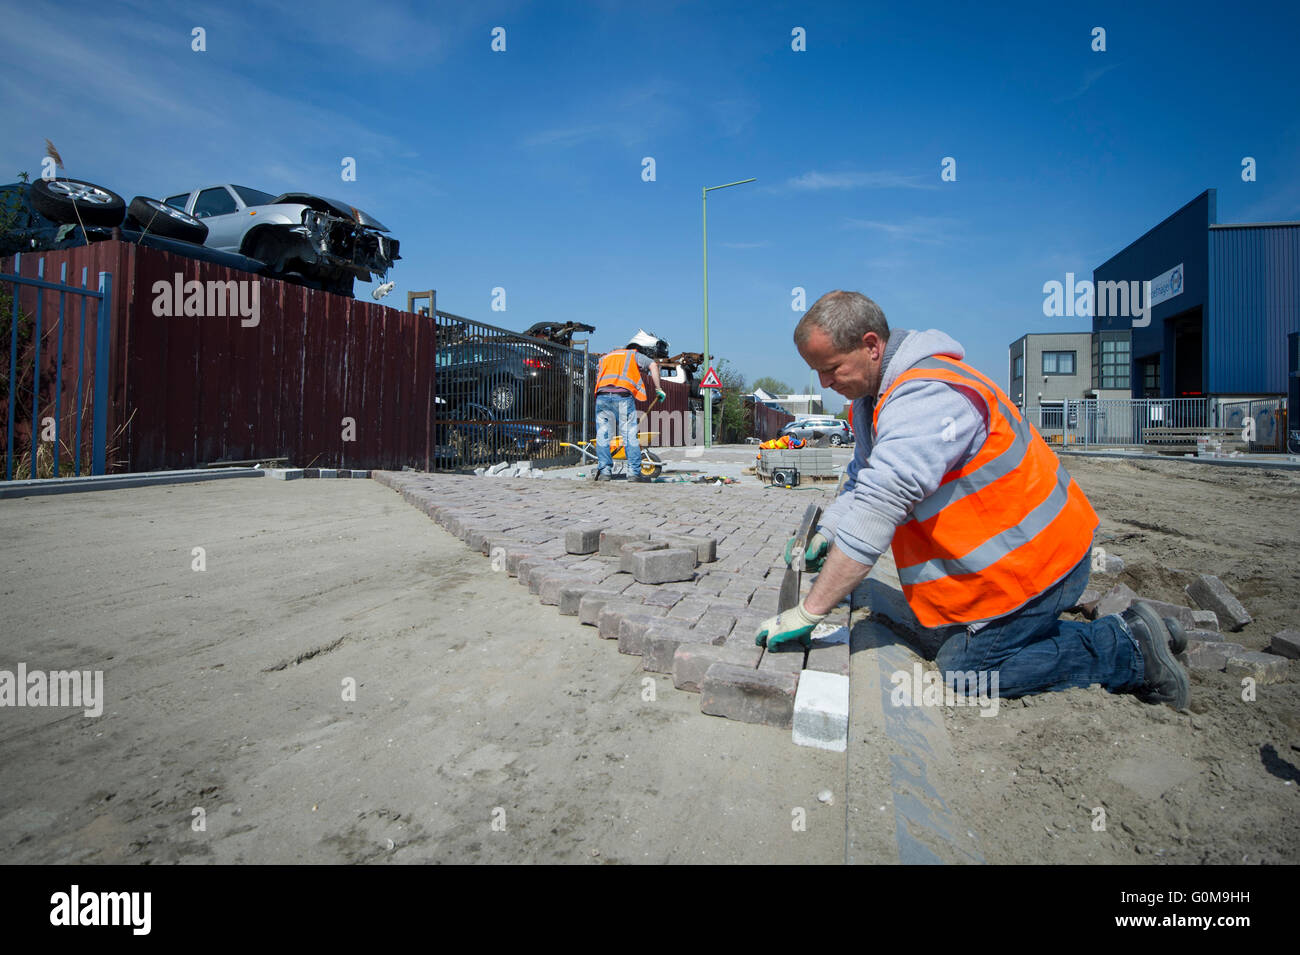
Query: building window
[1058,363]
[1019,367]
[1112,371]
[1151,377]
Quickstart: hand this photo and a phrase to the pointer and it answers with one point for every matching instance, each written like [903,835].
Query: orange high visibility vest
[998,531]
[619,369]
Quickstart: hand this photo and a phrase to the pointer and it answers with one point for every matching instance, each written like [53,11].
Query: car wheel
[836,440]
[150,215]
[69,201]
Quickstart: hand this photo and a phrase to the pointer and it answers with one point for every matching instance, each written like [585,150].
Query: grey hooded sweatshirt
[927,429]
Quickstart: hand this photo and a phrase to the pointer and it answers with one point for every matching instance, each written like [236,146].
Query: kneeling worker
[619,385]
[991,536]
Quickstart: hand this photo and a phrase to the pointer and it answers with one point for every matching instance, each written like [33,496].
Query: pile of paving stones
[1206,647]
[680,575]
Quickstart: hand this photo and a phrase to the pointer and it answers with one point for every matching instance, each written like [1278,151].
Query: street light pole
[708,402]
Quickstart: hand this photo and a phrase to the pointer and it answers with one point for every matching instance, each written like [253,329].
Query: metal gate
[52,423]
[1114,421]
[503,396]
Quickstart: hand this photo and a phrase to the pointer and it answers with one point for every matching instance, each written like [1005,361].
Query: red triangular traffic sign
[711,380]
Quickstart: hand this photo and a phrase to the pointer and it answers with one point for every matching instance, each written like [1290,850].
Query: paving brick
[592,603]
[1261,667]
[611,541]
[360,474]
[627,553]
[821,711]
[1206,620]
[285,474]
[1209,654]
[689,609]
[765,600]
[1174,611]
[748,695]
[784,661]
[583,538]
[553,587]
[514,556]
[1210,593]
[327,472]
[311,472]
[715,625]
[691,662]
[829,657]
[1115,600]
[663,566]
[612,614]
[706,548]
[1286,643]
[632,629]
[661,641]
[663,597]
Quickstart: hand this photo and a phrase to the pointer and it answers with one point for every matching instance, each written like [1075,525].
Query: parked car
[472,435]
[317,241]
[835,430]
[47,215]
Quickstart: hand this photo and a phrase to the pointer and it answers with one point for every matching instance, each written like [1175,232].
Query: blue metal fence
[99,371]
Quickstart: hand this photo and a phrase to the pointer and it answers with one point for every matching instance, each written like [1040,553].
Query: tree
[773,386]
[731,424]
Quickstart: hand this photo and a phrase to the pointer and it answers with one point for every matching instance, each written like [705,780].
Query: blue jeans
[1033,651]
[617,414]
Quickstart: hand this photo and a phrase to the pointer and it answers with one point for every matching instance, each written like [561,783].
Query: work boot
[1164,679]
[600,476]
[639,478]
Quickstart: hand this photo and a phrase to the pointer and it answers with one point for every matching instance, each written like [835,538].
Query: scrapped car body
[28,229]
[317,241]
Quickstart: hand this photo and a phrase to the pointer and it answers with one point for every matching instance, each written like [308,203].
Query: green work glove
[814,554]
[789,626]
[661,394]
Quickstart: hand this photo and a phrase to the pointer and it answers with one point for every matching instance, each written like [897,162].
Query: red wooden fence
[322,380]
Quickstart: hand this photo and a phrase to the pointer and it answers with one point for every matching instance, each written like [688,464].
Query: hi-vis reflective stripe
[978,474]
[610,375]
[994,549]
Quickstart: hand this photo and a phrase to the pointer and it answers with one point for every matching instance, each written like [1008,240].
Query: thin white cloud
[1089,77]
[817,181]
[931,230]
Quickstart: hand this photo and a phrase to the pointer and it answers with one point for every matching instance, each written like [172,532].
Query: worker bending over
[620,383]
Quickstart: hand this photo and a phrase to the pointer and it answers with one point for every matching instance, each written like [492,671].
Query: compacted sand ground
[1218,785]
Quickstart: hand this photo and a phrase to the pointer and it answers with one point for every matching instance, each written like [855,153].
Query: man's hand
[814,554]
[789,626]
[660,394]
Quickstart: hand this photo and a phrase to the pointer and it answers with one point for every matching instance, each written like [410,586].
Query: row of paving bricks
[680,576]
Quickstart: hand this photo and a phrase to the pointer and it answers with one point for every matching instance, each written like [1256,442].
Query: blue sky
[522,169]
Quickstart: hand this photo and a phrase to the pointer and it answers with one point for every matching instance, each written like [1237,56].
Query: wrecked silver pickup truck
[319,242]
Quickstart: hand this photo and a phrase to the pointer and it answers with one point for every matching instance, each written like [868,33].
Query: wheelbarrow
[651,464]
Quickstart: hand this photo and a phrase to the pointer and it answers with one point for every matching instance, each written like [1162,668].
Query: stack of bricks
[681,578]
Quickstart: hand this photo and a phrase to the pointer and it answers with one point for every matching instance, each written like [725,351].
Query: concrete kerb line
[108,482]
[923,827]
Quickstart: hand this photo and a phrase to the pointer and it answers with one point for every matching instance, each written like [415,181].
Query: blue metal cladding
[1254,305]
[1179,239]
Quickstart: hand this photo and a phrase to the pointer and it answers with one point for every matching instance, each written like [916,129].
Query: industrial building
[1200,317]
